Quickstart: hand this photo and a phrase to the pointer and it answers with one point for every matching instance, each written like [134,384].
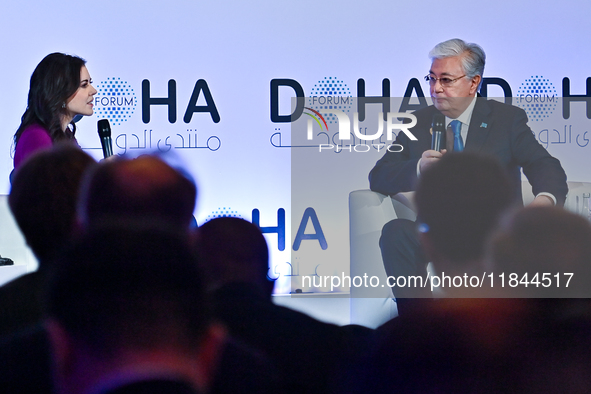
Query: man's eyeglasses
[446,82]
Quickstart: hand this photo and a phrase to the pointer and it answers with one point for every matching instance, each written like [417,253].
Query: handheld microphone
[438,132]
[104,132]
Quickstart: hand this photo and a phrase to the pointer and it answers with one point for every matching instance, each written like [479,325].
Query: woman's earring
[64,105]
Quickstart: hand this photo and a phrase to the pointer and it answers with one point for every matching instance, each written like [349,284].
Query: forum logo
[115,100]
[537,97]
[330,93]
[223,212]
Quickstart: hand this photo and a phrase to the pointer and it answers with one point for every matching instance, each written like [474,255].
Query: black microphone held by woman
[104,132]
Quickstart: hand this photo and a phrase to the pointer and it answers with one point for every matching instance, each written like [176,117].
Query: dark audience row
[131,297]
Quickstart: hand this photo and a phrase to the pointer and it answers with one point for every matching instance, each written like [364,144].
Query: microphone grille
[104,128]
[438,121]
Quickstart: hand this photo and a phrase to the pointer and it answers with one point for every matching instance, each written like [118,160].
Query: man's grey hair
[472,55]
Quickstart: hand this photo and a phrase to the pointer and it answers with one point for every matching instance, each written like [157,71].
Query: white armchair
[369,212]
[13,246]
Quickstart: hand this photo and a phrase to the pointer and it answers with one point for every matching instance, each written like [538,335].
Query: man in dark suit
[481,126]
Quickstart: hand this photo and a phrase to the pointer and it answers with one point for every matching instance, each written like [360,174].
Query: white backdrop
[237,48]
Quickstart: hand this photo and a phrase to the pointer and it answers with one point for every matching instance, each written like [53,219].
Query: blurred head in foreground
[126,300]
[548,241]
[234,250]
[143,188]
[459,201]
[44,194]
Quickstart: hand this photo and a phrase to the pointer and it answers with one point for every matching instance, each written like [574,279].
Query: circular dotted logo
[331,93]
[537,97]
[223,213]
[115,100]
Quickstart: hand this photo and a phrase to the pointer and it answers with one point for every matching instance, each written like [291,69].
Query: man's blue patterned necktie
[456,127]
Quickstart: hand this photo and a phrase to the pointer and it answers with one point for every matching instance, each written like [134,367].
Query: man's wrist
[547,195]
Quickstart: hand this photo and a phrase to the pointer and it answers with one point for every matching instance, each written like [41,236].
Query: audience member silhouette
[459,201]
[457,346]
[43,202]
[239,370]
[126,313]
[453,344]
[546,252]
[546,246]
[145,187]
[235,257]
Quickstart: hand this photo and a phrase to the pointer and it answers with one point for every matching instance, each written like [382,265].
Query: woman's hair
[55,79]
